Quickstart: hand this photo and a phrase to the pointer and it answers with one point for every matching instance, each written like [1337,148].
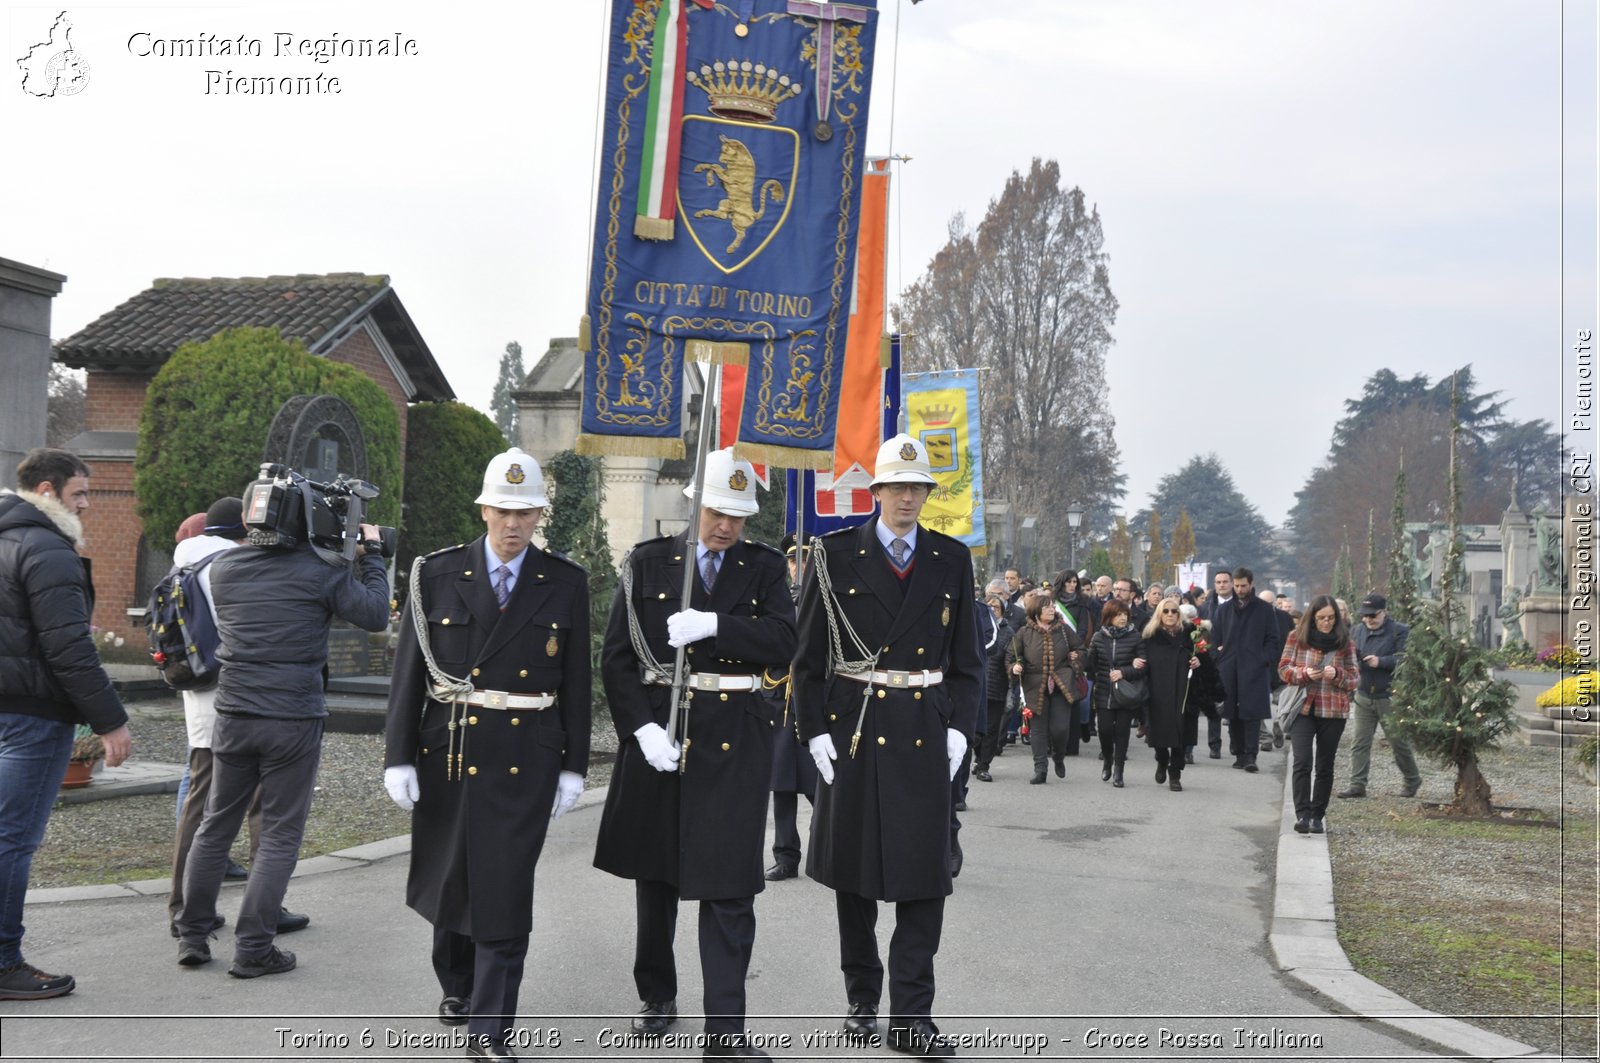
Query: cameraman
[274,606]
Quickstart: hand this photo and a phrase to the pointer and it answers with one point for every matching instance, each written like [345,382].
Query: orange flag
[860,430]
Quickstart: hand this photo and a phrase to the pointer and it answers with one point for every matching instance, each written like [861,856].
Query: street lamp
[1074,519]
[1144,558]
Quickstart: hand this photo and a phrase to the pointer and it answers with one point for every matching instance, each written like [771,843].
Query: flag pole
[680,674]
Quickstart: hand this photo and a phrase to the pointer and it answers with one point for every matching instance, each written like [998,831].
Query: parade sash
[751,260]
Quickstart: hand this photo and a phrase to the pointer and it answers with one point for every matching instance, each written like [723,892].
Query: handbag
[1129,693]
[1291,699]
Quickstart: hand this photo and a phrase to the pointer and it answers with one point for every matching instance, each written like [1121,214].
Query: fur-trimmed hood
[53,512]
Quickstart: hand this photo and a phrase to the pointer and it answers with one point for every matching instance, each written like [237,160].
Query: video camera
[283,508]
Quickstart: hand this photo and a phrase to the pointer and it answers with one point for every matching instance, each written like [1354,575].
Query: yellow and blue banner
[942,411]
[725,228]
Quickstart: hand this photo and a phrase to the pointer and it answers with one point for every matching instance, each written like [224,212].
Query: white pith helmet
[730,485]
[902,460]
[513,480]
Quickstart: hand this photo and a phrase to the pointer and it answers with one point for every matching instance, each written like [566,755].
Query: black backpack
[183,636]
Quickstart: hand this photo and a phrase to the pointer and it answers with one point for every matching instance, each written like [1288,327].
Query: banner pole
[680,674]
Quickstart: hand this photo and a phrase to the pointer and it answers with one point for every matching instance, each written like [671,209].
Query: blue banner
[725,228]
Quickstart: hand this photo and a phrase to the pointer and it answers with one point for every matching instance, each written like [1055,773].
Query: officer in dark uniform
[888,726]
[488,739]
[697,832]
[793,774]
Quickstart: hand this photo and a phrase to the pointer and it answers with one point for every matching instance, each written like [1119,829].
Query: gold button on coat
[523,673]
[472,719]
[476,671]
[472,770]
[726,747]
[516,721]
[919,743]
[882,741]
[513,769]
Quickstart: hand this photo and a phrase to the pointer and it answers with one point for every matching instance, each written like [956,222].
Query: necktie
[899,550]
[502,584]
[709,571]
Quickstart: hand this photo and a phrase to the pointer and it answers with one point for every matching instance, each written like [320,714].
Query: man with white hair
[686,812]
[888,677]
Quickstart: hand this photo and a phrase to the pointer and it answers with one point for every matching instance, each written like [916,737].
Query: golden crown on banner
[938,416]
[743,91]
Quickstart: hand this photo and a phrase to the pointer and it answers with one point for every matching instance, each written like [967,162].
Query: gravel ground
[130,838]
[1494,922]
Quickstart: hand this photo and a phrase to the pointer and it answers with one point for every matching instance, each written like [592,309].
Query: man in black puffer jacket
[50,681]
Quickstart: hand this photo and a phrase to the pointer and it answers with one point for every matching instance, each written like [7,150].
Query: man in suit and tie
[888,677]
[686,813]
[487,741]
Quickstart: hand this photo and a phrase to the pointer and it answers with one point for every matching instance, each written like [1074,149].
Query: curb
[343,860]
[1305,945]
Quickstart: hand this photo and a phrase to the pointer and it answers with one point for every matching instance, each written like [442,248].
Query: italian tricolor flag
[658,162]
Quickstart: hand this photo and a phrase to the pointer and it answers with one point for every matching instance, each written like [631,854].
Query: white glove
[401,782]
[824,754]
[955,745]
[691,625]
[569,787]
[660,752]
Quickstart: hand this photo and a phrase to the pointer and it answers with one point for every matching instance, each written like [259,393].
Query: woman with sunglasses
[1044,657]
[1172,661]
[1321,657]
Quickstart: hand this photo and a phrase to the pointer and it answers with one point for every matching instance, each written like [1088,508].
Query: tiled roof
[144,331]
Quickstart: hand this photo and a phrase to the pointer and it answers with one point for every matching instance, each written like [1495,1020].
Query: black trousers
[785,828]
[487,974]
[727,937]
[1321,734]
[989,741]
[1114,725]
[1054,729]
[1171,759]
[917,927]
[1244,738]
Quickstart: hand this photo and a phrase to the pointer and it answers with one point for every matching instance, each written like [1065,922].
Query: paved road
[1089,922]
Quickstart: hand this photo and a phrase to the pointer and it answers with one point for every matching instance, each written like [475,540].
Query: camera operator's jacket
[702,831]
[480,823]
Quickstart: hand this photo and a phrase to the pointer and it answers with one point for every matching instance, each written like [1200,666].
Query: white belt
[923,678]
[710,681]
[500,699]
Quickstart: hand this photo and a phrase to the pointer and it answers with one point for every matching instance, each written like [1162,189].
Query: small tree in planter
[1453,707]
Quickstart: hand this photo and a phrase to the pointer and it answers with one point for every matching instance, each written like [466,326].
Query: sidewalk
[1088,922]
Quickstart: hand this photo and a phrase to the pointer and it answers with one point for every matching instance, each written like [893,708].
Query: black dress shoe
[861,1023]
[956,858]
[1105,772]
[289,922]
[779,872]
[731,1046]
[1238,762]
[1355,792]
[235,870]
[1250,766]
[1302,826]
[216,924]
[961,806]
[1061,767]
[1116,778]
[1216,754]
[1188,758]
[454,1011]
[1161,773]
[492,1050]
[920,1038]
[982,775]
[1174,785]
[654,1018]
[1038,778]
[1317,827]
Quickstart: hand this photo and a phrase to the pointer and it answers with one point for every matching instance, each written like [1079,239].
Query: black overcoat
[1167,665]
[1245,634]
[701,830]
[476,835]
[882,828]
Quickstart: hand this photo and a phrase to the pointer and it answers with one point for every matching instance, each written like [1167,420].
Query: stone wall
[25,295]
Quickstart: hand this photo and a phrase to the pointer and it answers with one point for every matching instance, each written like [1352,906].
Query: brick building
[348,317]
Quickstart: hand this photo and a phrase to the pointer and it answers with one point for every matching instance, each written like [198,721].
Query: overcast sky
[1294,195]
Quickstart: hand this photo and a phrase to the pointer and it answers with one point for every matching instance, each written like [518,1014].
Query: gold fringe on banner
[885,351]
[648,228]
[981,550]
[583,334]
[784,457]
[629,446]
[715,353]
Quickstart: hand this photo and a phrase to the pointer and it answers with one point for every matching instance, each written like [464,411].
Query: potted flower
[87,753]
